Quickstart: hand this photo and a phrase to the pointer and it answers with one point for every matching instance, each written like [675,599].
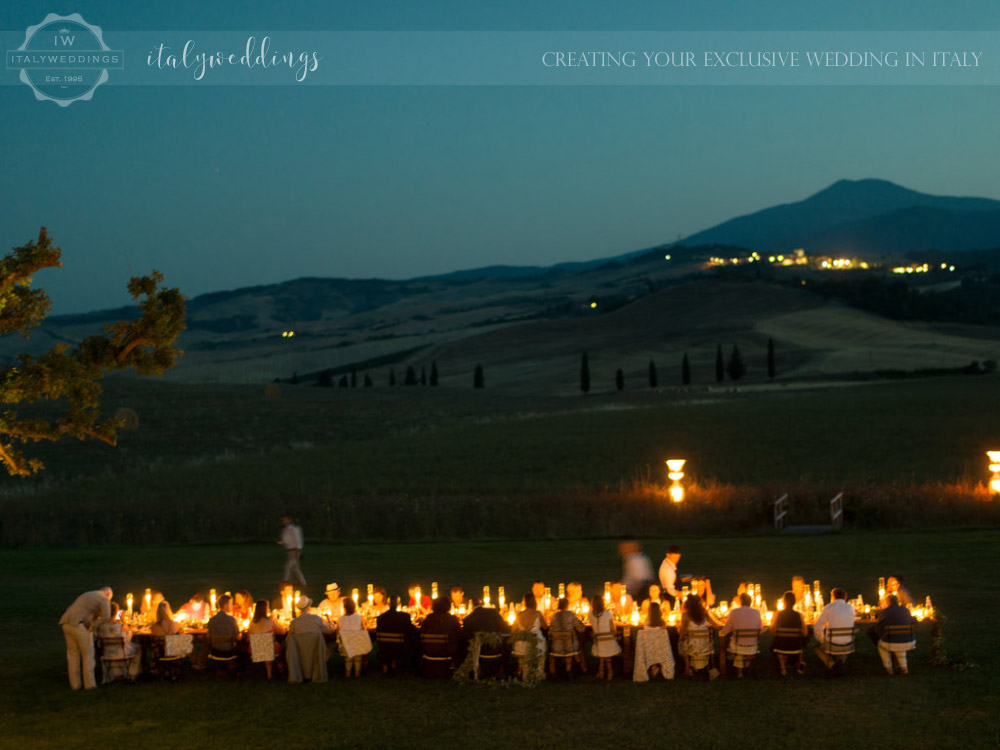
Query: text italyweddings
[760,59]
[302,63]
[42,59]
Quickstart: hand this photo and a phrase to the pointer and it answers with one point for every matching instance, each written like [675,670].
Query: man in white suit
[291,540]
[79,623]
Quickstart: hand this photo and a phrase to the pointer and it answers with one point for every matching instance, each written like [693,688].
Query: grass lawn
[931,708]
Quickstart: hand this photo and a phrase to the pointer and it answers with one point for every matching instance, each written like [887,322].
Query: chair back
[898,638]
[306,656]
[840,641]
[436,646]
[177,646]
[222,647]
[745,641]
[113,649]
[261,647]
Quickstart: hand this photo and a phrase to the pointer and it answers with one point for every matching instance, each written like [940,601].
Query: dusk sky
[223,186]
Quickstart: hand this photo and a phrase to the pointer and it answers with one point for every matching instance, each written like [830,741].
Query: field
[212,463]
[934,707]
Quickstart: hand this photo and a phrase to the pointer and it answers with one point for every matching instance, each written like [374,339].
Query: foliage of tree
[343,382]
[368,381]
[392,376]
[411,376]
[619,380]
[354,378]
[324,379]
[736,367]
[423,375]
[770,358]
[685,370]
[434,373]
[653,379]
[720,367]
[584,374]
[478,380]
[145,345]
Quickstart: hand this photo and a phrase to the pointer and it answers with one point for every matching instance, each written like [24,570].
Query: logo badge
[64,59]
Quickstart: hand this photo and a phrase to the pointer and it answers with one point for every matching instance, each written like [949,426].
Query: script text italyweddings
[302,63]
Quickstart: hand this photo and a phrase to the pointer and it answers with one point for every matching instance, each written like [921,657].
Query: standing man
[637,570]
[291,540]
[668,574]
[79,623]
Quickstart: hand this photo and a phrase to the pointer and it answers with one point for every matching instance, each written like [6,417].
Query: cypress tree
[295,378]
[585,374]
[478,380]
[342,383]
[653,380]
[434,373]
[619,380]
[368,381]
[720,367]
[324,379]
[770,358]
[354,378]
[392,376]
[736,367]
[685,370]
[423,375]
[411,376]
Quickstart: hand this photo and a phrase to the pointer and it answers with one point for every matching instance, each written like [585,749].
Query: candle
[511,616]
[500,597]
[417,598]
[486,596]
[562,590]
[211,599]
[434,589]
[371,595]
[635,617]
[149,600]
[780,605]
[128,602]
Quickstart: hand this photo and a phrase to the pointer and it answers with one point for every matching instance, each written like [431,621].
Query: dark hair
[695,609]
[197,596]
[673,549]
[529,601]
[892,600]
[597,605]
[457,588]
[380,590]
[655,618]
[223,601]
[745,600]
[838,593]
[789,599]
[898,577]
[286,585]
[349,606]
[114,609]
[538,580]
[563,603]
[393,601]
[245,594]
[260,610]
[440,605]
[163,611]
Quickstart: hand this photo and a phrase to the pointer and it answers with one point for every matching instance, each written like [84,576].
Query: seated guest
[743,617]
[354,641]
[396,638]
[457,597]
[653,654]
[621,603]
[149,612]
[605,646]
[243,605]
[263,624]
[196,609]
[654,617]
[530,622]
[223,630]
[542,605]
[286,592]
[164,624]
[574,594]
[785,645]
[694,636]
[564,631]
[113,628]
[309,622]
[332,608]
[484,620]
[894,641]
[702,588]
[380,601]
[438,652]
[655,596]
[799,589]
[424,605]
[837,614]
[894,585]
[743,588]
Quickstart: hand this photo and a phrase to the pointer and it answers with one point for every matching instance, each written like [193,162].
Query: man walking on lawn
[291,540]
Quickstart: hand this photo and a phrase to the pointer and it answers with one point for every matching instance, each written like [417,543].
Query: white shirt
[291,537]
[836,614]
[668,577]
[331,609]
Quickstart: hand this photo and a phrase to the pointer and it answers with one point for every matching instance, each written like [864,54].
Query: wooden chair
[393,649]
[436,654]
[115,661]
[743,647]
[262,650]
[223,651]
[486,655]
[167,654]
[783,654]
[698,650]
[896,640]
[568,650]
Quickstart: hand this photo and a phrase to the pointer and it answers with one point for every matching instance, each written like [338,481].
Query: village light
[675,474]
[995,469]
